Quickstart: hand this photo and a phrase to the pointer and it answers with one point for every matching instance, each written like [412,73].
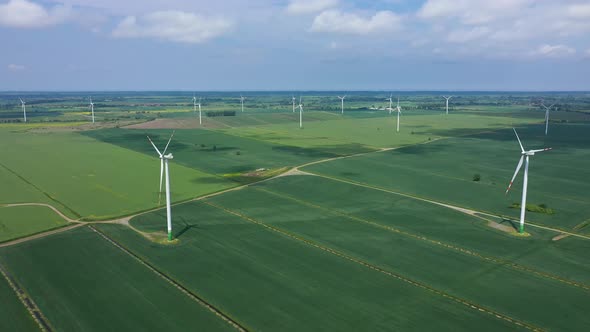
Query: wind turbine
[390,102]
[524,156]
[342,100]
[164,167]
[22,102]
[300,113]
[91,106]
[447,98]
[293,99]
[399,111]
[195,104]
[547,116]
[242,98]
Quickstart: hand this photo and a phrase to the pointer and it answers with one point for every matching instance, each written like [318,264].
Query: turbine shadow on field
[512,223]
[186,227]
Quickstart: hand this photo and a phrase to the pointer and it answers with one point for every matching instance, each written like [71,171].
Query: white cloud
[15,67]
[554,51]
[26,14]
[298,7]
[581,10]
[472,11]
[176,26]
[349,23]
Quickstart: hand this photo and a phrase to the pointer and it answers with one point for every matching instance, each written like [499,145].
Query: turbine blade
[515,173]
[166,148]
[518,138]
[541,150]
[154,145]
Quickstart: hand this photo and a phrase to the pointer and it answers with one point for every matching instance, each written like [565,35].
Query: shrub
[476,177]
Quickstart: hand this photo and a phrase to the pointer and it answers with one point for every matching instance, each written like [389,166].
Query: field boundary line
[467,211]
[442,244]
[41,191]
[40,235]
[27,301]
[378,269]
[173,282]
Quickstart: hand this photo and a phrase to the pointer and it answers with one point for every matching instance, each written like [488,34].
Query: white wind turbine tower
[390,102]
[164,168]
[195,104]
[524,156]
[91,106]
[399,111]
[547,116]
[447,98]
[293,99]
[300,113]
[242,98]
[23,104]
[342,100]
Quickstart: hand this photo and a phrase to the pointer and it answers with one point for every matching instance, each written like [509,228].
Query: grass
[268,281]
[19,221]
[431,170]
[487,283]
[14,316]
[93,286]
[92,179]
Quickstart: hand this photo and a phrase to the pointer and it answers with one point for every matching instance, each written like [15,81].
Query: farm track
[468,252]
[28,302]
[173,282]
[400,277]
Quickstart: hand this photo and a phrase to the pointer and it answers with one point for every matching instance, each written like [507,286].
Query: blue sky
[295,45]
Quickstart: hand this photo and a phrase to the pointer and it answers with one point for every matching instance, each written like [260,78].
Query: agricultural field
[343,225]
[93,275]
[555,176]
[18,221]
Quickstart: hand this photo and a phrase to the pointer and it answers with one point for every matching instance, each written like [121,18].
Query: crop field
[17,221]
[96,276]
[281,280]
[555,176]
[344,225]
[86,178]
[13,316]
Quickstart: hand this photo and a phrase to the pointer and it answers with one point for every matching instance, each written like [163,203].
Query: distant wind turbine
[399,111]
[242,98]
[547,116]
[342,100]
[524,156]
[447,98]
[293,99]
[300,113]
[23,104]
[390,102]
[195,104]
[91,106]
[164,168]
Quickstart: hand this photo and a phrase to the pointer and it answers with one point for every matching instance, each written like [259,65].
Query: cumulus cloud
[349,23]
[15,67]
[467,35]
[27,14]
[472,11]
[554,51]
[176,26]
[298,7]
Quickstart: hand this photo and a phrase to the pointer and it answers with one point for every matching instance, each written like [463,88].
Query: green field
[18,221]
[13,316]
[94,180]
[431,170]
[219,251]
[356,237]
[88,275]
